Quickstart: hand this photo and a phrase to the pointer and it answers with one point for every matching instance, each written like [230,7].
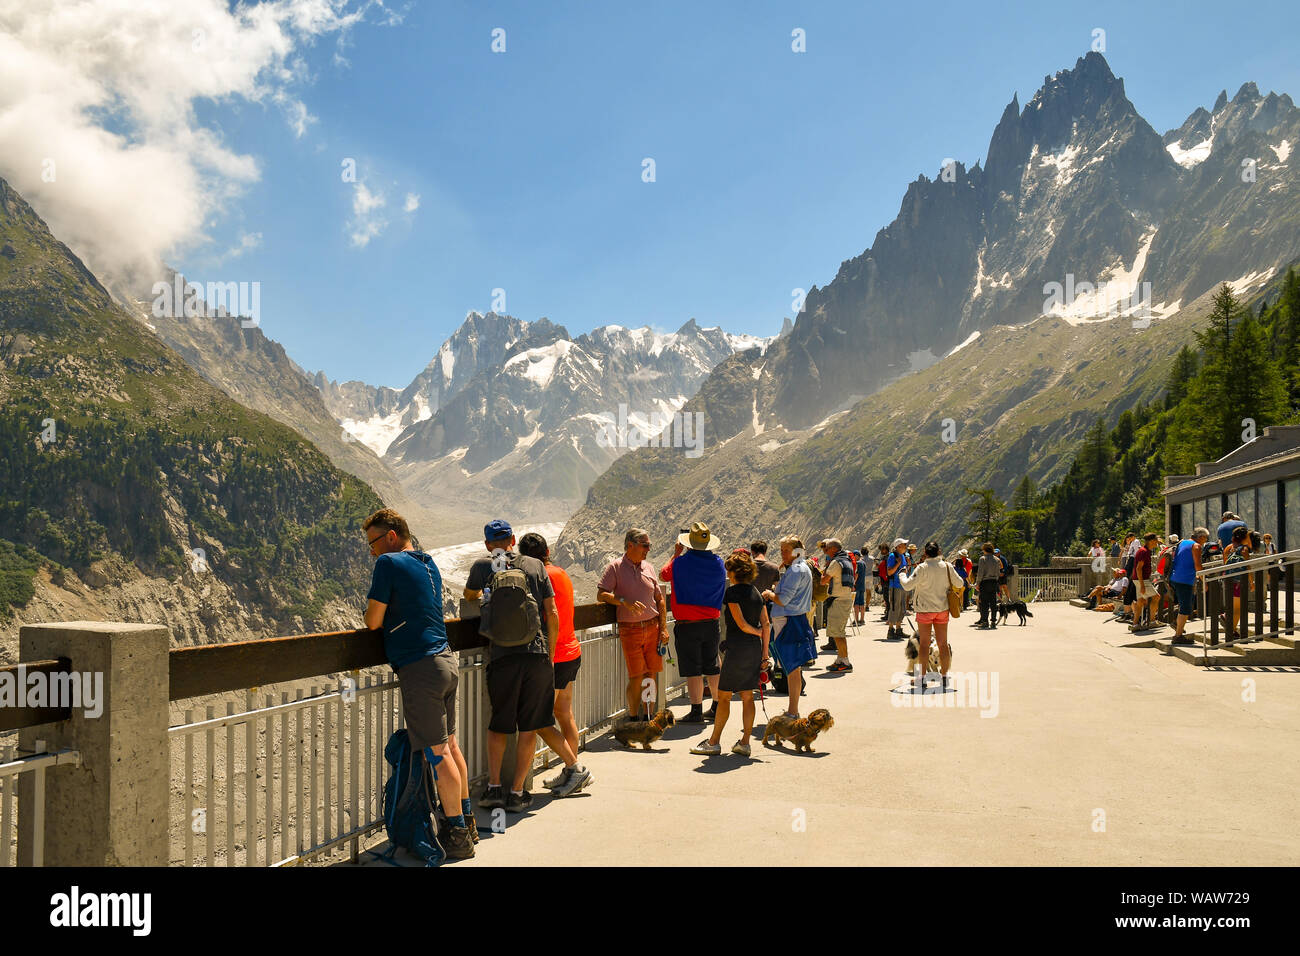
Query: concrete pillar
[112,810]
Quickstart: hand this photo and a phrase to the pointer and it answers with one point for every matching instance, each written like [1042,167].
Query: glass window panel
[1185,520]
[1246,506]
[1212,511]
[1266,518]
[1292,514]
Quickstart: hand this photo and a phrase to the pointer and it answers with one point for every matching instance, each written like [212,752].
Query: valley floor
[1091,754]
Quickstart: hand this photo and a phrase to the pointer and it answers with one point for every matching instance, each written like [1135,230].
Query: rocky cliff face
[957,291]
[129,474]
[1076,188]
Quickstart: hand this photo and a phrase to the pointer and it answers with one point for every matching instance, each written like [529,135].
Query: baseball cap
[497,530]
[897,542]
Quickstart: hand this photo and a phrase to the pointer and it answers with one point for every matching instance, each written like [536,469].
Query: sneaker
[492,797]
[695,716]
[554,781]
[574,779]
[740,749]
[840,667]
[828,646]
[706,749]
[459,843]
[712,712]
[518,803]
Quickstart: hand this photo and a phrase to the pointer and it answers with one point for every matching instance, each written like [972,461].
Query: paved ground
[1090,753]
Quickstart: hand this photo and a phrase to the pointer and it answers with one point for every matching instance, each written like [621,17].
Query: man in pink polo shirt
[629,584]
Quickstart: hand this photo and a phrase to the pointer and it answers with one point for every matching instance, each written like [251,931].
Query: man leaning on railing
[405,600]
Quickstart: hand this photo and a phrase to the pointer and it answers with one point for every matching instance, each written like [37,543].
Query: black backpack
[509,616]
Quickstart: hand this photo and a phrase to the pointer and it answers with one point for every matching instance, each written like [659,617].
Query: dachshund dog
[1006,608]
[643,732]
[801,731]
[912,651]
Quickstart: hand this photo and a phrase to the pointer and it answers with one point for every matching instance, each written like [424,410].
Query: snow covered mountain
[1080,210]
[528,408]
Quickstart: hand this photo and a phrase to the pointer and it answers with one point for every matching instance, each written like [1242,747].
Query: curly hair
[742,566]
[389,520]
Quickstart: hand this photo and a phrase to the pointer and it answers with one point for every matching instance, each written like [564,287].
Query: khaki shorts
[837,618]
[1145,589]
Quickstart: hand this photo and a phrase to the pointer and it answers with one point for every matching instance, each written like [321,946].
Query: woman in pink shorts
[929,584]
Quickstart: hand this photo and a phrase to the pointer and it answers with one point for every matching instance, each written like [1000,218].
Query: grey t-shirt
[539,583]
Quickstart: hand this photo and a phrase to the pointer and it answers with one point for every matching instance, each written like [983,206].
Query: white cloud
[412,202]
[107,89]
[367,223]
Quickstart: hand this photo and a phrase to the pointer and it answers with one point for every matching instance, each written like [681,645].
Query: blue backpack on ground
[410,800]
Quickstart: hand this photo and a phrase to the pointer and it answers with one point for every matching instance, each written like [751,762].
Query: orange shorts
[640,647]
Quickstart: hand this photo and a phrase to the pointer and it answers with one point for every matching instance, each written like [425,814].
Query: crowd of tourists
[1153,580]
[738,623]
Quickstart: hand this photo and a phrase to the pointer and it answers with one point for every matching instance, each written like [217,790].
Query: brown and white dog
[913,651]
[644,732]
[801,731]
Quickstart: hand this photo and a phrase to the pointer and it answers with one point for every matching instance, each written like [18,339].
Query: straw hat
[700,538]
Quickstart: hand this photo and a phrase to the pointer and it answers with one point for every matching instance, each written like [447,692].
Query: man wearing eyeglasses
[631,584]
[405,600]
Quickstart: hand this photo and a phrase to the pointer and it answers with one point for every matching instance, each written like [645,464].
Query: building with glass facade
[1259,481]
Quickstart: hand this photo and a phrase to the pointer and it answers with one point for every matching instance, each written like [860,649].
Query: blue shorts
[1185,595]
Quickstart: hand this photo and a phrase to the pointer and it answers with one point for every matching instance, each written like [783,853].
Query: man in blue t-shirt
[405,600]
[1231,523]
[895,596]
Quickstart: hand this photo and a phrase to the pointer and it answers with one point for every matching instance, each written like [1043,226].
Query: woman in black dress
[746,652]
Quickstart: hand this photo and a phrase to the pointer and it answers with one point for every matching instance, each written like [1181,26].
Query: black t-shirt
[539,583]
[751,609]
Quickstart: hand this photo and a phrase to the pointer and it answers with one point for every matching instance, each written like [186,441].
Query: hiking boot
[459,843]
[828,646]
[519,802]
[706,749]
[694,716]
[572,780]
[473,827]
[493,797]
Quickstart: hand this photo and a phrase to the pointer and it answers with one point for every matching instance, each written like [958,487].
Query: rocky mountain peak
[1220,102]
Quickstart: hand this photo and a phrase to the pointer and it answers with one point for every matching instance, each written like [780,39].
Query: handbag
[954,597]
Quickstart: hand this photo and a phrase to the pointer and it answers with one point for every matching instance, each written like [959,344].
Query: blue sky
[772,167]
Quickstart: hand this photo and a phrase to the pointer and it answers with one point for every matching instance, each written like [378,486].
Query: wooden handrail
[15,718]
[216,668]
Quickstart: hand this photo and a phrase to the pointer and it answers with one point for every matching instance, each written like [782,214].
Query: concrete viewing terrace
[1079,752]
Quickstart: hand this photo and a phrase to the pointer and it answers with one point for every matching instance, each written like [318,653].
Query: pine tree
[1287,323]
[1253,386]
[1183,371]
[985,514]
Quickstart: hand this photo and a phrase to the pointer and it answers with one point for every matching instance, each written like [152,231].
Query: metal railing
[11,768]
[1046,584]
[1260,581]
[315,778]
[600,691]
